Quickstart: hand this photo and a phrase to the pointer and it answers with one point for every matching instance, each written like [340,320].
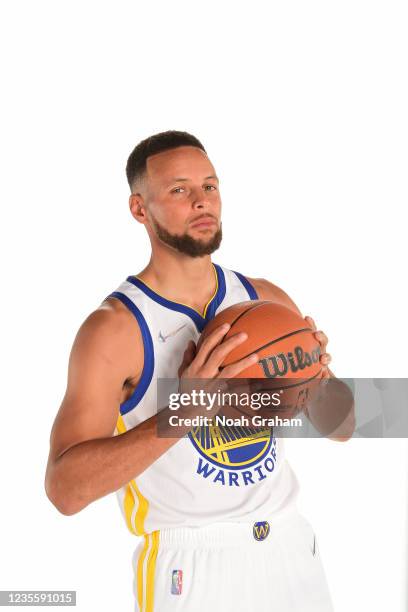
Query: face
[179,202]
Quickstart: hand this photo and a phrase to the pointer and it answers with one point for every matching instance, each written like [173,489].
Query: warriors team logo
[234,455]
[232,447]
[261,530]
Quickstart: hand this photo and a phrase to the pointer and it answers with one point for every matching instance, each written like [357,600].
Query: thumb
[188,357]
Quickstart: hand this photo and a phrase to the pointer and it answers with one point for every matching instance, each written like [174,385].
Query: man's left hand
[325,358]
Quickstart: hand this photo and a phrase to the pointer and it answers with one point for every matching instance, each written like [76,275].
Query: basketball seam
[303,380]
[260,348]
[241,314]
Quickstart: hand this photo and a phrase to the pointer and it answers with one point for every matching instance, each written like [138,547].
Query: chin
[202,233]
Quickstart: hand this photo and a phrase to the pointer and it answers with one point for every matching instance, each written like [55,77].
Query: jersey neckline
[200,319]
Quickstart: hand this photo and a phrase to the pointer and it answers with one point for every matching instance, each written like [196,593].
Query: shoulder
[110,334]
[268,291]
[111,318]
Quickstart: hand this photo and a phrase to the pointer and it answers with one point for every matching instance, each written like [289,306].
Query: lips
[204,222]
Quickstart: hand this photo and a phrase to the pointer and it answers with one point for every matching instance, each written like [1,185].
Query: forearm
[332,414]
[347,428]
[94,468]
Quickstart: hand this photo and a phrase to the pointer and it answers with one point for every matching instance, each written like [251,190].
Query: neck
[181,278]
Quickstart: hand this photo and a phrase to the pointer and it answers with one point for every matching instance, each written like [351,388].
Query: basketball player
[216,534]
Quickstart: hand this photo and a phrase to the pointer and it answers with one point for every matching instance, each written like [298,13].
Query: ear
[137,207]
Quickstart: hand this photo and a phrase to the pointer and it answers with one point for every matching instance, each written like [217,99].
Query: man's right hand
[206,362]
[201,369]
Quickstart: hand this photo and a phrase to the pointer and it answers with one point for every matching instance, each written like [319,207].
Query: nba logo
[261,530]
[176,582]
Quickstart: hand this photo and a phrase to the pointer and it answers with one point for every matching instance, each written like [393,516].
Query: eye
[175,190]
[211,186]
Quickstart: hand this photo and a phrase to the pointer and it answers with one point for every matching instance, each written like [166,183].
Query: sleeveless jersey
[210,476]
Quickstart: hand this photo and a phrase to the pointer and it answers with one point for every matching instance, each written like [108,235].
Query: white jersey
[195,482]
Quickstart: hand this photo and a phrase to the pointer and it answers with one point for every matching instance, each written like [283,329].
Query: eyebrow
[212,176]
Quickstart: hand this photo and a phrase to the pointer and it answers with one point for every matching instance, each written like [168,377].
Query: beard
[186,244]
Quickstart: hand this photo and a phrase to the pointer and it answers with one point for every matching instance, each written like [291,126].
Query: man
[208,541]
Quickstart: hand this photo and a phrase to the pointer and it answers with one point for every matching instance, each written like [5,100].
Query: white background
[302,109]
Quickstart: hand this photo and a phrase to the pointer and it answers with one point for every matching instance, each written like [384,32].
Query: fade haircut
[136,163]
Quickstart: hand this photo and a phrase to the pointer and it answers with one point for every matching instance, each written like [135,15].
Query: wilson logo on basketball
[283,363]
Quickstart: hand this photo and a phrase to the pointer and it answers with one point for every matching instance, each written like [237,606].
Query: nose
[199,199]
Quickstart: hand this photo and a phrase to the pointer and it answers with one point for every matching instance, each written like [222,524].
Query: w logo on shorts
[261,530]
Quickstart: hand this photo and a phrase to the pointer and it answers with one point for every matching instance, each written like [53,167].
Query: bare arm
[84,456]
[85,460]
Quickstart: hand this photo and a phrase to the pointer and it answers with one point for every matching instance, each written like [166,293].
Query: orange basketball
[287,350]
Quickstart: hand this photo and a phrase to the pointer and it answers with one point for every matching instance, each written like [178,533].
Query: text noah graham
[222,421]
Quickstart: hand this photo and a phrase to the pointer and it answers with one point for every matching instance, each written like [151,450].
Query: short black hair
[136,163]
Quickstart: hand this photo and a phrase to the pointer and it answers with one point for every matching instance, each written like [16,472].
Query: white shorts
[271,566]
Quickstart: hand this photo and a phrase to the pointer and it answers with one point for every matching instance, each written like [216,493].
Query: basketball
[288,353]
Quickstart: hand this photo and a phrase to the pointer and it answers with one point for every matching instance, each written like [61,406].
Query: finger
[209,343]
[188,357]
[325,359]
[191,349]
[239,366]
[221,351]
[321,337]
[311,323]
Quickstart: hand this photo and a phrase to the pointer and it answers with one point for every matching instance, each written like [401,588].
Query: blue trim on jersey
[148,364]
[248,286]
[198,319]
[219,296]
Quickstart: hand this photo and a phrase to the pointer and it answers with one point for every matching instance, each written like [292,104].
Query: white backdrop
[302,109]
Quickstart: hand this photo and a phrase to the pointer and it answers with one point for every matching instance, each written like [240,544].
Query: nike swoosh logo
[163,338]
